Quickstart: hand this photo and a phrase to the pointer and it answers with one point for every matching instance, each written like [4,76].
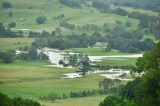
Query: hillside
[30,10]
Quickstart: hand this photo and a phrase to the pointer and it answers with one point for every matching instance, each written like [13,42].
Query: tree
[78,60]
[7,56]
[12,25]
[6,5]
[41,19]
[128,24]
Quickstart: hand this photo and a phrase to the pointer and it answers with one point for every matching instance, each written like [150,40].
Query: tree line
[8,33]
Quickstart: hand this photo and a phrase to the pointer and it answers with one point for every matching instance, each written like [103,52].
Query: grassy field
[118,61]
[14,43]
[96,51]
[32,82]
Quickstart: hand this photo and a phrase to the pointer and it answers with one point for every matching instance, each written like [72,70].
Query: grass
[14,43]
[96,52]
[29,63]
[118,61]
[32,82]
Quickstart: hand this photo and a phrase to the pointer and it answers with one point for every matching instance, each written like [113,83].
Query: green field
[33,82]
[14,43]
[118,61]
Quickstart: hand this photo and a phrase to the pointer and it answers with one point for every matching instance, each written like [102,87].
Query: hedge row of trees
[128,41]
[115,38]
[32,53]
[85,93]
[145,4]
[25,53]
[8,33]
[7,56]
[18,101]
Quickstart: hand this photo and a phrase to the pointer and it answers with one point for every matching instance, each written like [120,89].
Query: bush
[41,19]
[6,5]
[6,101]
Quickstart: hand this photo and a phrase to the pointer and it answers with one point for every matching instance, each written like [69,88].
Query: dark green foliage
[128,24]
[31,54]
[8,33]
[146,45]
[12,25]
[6,101]
[131,38]
[7,56]
[129,89]
[6,5]
[79,60]
[148,89]
[67,25]
[51,96]
[150,60]
[116,100]
[41,20]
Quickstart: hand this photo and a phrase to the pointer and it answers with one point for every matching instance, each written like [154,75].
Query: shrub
[6,5]
[41,19]
[12,25]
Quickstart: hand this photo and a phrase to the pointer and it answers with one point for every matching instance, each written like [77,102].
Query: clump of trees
[6,5]
[18,101]
[7,56]
[120,11]
[67,25]
[32,53]
[43,34]
[41,20]
[132,39]
[108,83]
[8,33]
[79,60]
[116,100]
[12,25]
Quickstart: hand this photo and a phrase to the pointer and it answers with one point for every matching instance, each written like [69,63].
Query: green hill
[29,10]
